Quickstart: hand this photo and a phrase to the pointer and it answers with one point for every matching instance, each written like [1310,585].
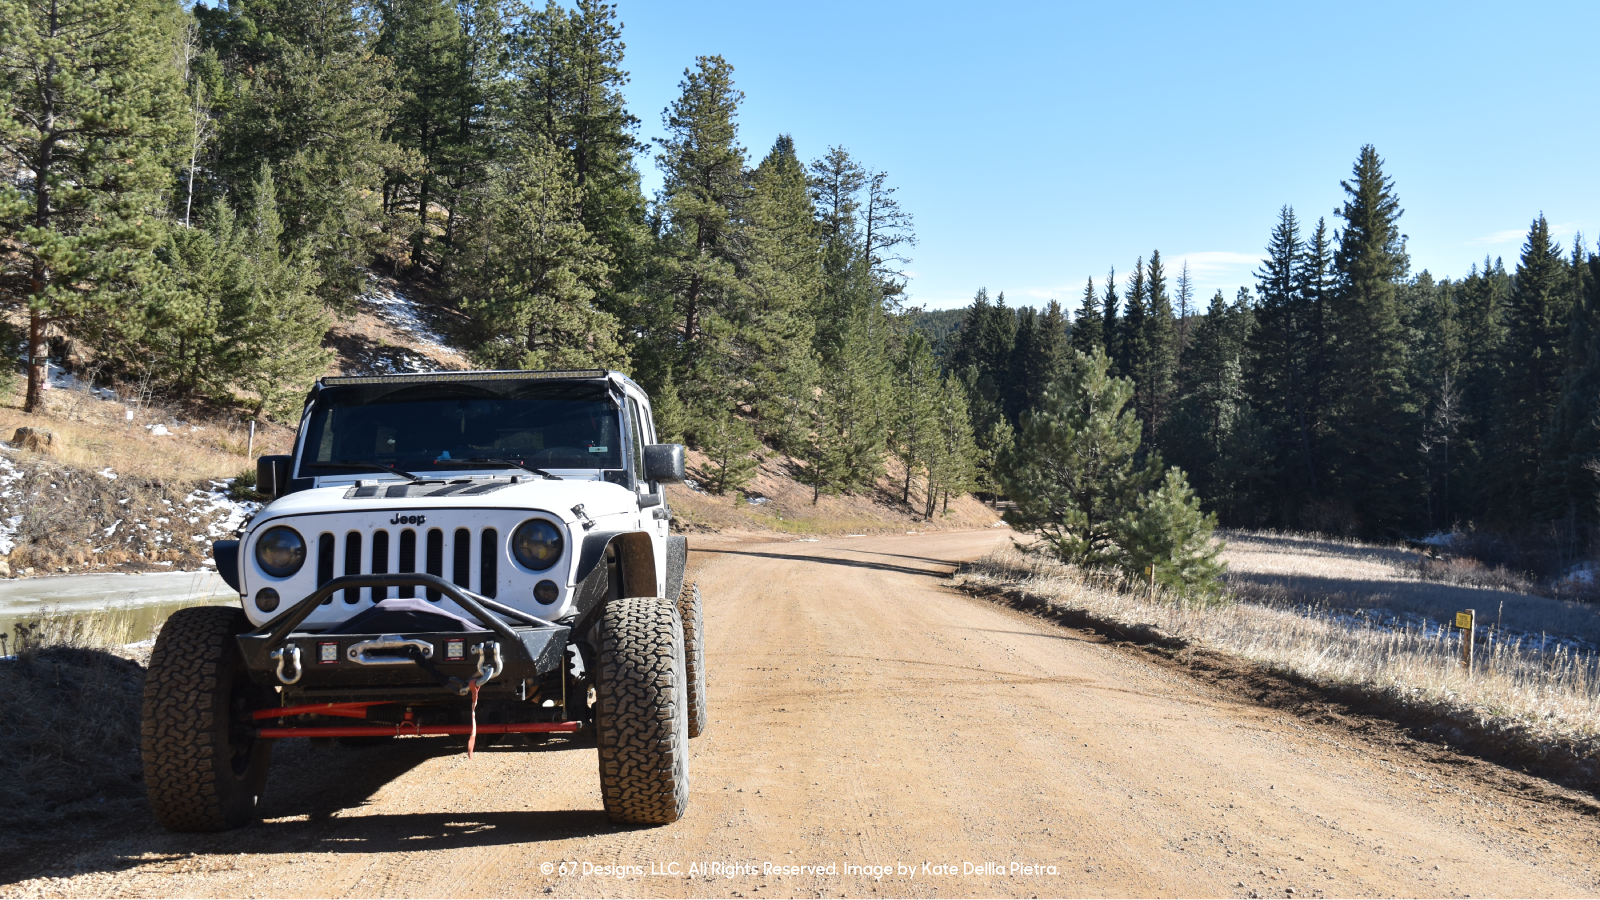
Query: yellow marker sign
[1463,620]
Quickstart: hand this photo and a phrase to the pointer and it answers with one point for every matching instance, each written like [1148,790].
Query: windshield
[423,428]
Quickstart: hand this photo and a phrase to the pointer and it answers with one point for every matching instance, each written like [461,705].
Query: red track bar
[347,710]
[424,730]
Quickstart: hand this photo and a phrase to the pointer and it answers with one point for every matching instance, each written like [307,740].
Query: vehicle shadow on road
[834,561]
[313,803]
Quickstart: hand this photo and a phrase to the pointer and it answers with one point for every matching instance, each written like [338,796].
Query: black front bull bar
[275,652]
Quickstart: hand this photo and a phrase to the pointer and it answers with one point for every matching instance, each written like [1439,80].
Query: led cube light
[455,649]
[328,652]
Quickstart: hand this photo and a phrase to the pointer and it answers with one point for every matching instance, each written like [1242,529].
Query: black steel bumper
[524,646]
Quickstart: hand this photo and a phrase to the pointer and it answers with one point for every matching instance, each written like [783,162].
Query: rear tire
[202,770]
[642,722]
[694,657]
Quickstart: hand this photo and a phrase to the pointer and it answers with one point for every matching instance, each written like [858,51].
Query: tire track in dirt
[864,713]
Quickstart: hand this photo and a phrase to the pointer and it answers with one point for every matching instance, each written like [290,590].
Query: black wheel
[694,657]
[642,722]
[202,769]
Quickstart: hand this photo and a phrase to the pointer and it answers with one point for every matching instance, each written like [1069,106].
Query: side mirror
[272,475]
[663,463]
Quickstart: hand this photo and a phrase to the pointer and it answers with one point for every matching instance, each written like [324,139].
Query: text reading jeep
[467,553]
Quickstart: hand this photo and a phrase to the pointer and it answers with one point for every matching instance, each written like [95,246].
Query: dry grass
[94,433]
[1543,695]
[1288,570]
[69,720]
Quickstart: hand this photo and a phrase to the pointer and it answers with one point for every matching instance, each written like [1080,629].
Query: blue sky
[1039,144]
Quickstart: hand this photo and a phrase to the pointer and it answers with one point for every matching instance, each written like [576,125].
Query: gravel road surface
[875,732]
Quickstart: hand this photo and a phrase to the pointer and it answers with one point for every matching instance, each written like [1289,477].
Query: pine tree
[731,449]
[433,60]
[1214,431]
[1167,542]
[1568,483]
[914,412]
[94,108]
[1282,352]
[567,89]
[1088,327]
[1133,331]
[314,101]
[783,278]
[1375,421]
[953,466]
[273,320]
[1111,326]
[1038,357]
[538,271]
[1072,471]
[1158,372]
[701,247]
[1531,368]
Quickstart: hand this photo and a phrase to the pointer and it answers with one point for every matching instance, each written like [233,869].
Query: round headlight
[281,551]
[536,544]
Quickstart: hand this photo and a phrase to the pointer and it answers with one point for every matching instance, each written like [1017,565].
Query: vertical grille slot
[435,558]
[461,563]
[325,550]
[352,564]
[488,558]
[380,562]
[408,559]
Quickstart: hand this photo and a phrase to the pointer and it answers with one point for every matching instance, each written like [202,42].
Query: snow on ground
[400,311]
[229,514]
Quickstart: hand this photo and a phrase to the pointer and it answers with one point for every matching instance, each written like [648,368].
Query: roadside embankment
[1531,704]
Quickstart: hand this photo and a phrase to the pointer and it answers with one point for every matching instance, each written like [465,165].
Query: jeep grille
[370,554]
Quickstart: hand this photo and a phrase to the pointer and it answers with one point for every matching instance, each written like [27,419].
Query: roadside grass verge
[1535,702]
[69,721]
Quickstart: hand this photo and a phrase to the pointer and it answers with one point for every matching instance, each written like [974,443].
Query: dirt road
[867,715]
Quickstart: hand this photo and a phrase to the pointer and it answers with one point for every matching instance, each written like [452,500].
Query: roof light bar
[494,375]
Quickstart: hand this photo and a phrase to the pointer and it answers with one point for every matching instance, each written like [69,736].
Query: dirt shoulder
[869,720]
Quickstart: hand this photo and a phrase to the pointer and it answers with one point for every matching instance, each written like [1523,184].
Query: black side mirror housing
[272,475]
[663,463]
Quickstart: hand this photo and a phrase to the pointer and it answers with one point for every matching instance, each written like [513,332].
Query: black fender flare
[637,561]
[226,554]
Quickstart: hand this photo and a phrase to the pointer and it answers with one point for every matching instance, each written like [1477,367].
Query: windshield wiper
[495,459]
[354,466]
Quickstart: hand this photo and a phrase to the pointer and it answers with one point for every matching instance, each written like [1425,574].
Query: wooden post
[250,447]
[1467,621]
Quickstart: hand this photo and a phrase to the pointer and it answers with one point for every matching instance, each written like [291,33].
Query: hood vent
[412,491]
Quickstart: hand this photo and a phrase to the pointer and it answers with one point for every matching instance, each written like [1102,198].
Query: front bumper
[518,646]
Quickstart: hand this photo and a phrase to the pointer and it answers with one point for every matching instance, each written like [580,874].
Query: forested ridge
[195,194]
[1343,393]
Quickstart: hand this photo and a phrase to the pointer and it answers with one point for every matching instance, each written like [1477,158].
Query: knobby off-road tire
[200,774]
[694,657]
[642,722]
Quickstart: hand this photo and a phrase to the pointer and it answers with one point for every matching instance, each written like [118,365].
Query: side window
[638,440]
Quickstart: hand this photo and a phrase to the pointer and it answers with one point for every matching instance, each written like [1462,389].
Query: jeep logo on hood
[407,520]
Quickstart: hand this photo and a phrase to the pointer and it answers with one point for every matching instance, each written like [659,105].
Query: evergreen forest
[195,193]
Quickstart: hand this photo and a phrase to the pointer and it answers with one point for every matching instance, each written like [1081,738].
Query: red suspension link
[411,728]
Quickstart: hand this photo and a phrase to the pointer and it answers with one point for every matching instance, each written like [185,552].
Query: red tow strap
[473,737]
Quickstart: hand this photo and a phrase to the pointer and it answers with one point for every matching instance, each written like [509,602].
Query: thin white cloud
[1510,236]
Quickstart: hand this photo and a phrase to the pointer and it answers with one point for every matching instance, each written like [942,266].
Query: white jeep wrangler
[463,553]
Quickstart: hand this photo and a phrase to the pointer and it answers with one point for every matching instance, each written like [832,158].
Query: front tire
[201,769]
[642,721]
[694,656]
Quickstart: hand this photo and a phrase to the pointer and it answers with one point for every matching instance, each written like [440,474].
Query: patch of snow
[757,501]
[157,429]
[57,377]
[693,485]
[400,311]
[234,513]
[8,534]
[107,474]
